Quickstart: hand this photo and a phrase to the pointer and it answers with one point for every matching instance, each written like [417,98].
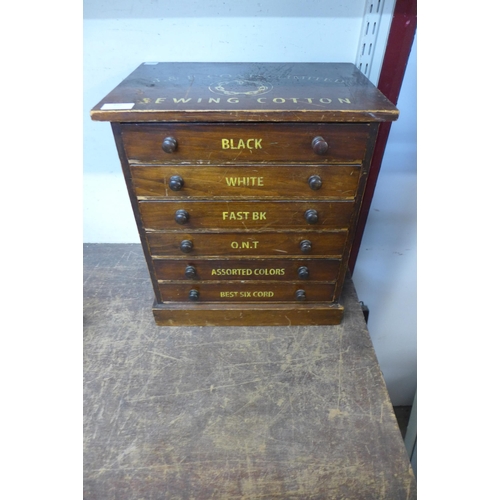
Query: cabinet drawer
[235,291]
[299,181]
[229,142]
[191,215]
[247,244]
[247,269]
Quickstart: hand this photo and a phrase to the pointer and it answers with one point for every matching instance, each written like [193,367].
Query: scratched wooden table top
[229,412]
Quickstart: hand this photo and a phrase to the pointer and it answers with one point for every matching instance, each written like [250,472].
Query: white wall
[121,34]
[386,268]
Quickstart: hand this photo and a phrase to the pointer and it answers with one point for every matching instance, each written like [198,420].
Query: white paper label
[118,105]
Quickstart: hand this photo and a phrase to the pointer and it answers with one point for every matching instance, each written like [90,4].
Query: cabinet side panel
[357,207]
[133,200]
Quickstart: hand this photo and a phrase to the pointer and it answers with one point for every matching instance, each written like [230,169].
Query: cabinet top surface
[299,92]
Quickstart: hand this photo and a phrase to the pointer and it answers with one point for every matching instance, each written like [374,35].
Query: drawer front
[235,291]
[189,215]
[333,181]
[229,143]
[247,244]
[243,269]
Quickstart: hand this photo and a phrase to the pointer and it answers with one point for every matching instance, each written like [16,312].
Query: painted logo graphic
[241,87]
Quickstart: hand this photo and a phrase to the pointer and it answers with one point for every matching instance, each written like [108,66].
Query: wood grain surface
[208,143]
[246,215]
[238,291]
[229,412]
[246,269]
[251,313]
[306,92]
[283,244]
[253,181]
[197,165]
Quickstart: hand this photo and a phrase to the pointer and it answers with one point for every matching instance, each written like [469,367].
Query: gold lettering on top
[241,144]
[245,181]
[244,215]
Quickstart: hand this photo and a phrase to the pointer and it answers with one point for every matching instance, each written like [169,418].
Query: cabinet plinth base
[212,314]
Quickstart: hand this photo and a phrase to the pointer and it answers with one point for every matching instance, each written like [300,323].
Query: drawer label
[241,144]
[247,272]
[243,215]
[245,181]
[232,295]
[236,245]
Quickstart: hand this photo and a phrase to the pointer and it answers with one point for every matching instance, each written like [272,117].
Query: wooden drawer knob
[190,272]
[303,272]
[315,182]
[169,144]
[319,145]
[176,183]
[300,295]
[181,216]
[194,295]
[311,216]
[186,246]
[305,246]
